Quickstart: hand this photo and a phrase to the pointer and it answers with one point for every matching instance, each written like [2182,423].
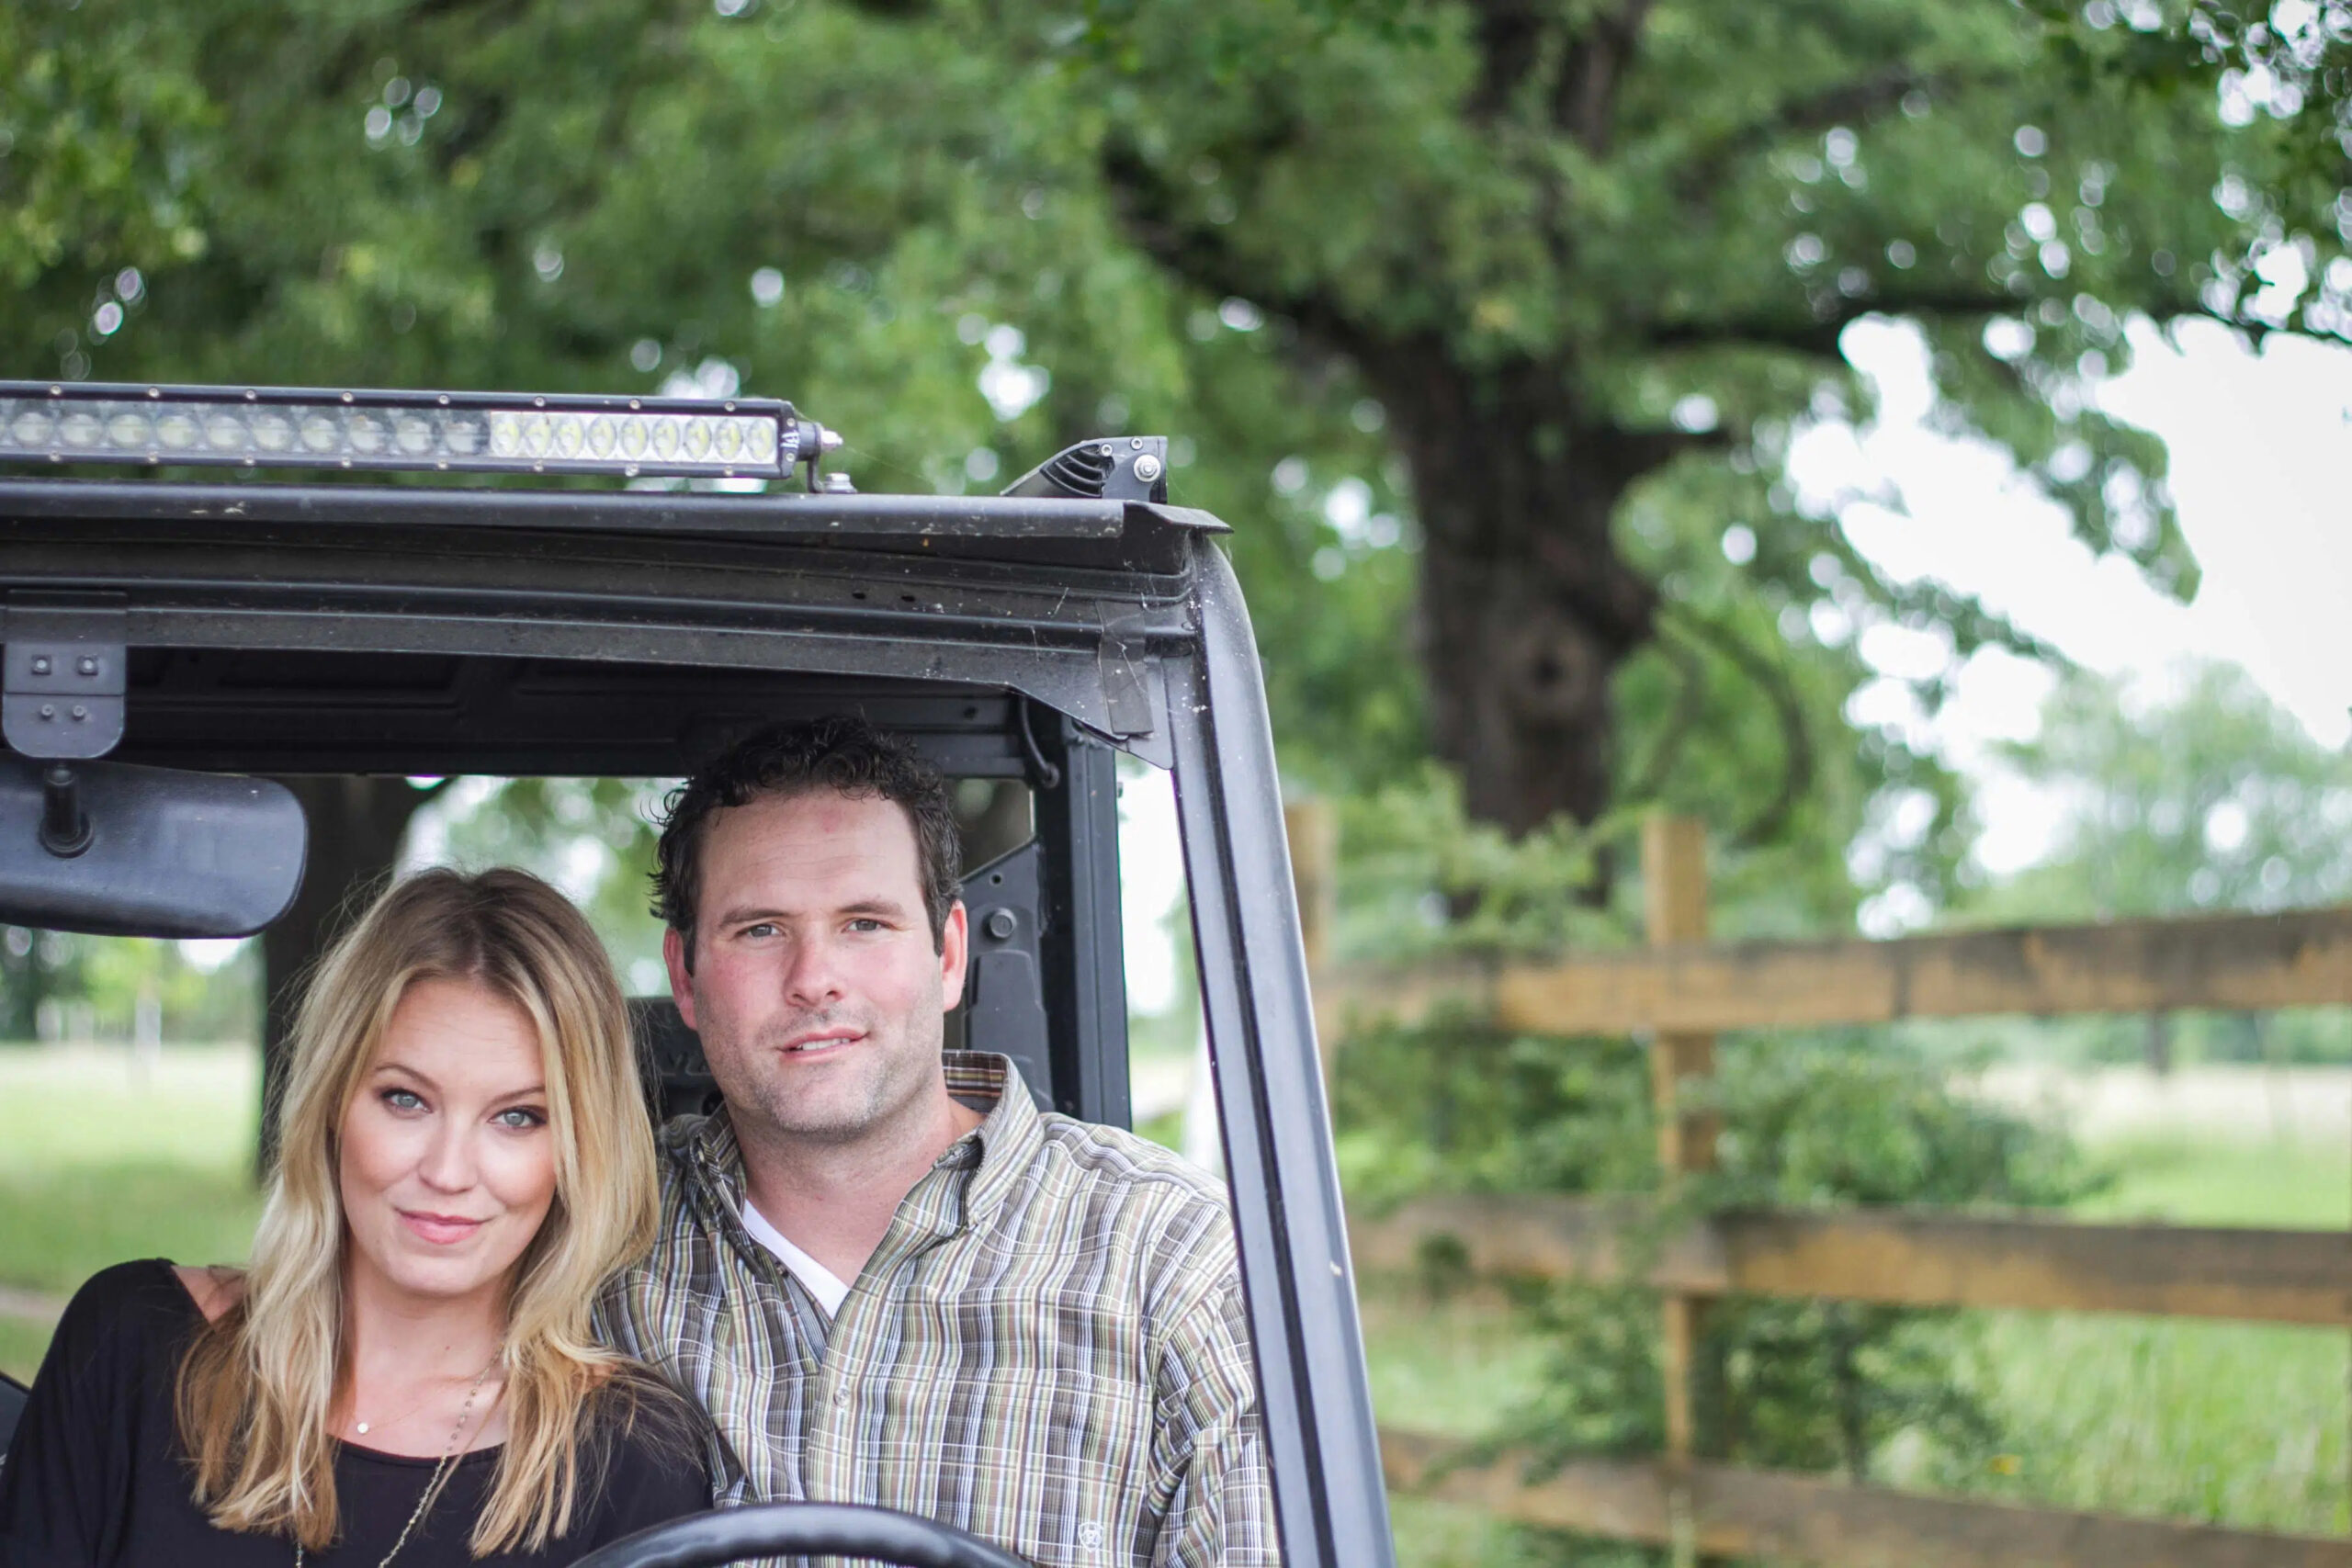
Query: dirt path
[2241,1103]
[34,1306]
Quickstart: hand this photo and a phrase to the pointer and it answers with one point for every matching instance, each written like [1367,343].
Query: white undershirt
[822,1282]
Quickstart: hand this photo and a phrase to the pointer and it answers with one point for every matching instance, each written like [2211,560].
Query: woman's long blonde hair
[257,1385]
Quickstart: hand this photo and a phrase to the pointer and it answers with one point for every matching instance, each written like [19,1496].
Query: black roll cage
[352,630]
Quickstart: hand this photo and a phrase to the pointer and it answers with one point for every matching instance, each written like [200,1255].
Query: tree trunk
[357,825]
[1526,610]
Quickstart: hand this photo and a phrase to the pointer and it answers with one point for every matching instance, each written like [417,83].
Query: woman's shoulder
[123,1320]
[213,1287]
[129,1299]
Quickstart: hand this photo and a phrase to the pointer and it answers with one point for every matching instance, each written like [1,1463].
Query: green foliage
[2207,797]
[1457,1107]
[594,838]
[1224,219]
[2214,799]
[1819,1120]
[57,984]
[1809,1121]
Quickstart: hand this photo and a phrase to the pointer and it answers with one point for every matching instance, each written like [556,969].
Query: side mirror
[116,849]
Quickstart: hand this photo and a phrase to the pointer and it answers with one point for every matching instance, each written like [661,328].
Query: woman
[404,1374]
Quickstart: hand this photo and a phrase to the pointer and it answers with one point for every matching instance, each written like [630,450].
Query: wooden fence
[1680,991]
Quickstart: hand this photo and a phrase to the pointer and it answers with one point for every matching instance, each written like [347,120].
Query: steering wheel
[802,1530]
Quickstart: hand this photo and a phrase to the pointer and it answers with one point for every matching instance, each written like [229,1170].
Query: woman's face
[446,1160]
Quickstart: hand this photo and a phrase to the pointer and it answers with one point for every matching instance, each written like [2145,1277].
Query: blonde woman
[404,1374]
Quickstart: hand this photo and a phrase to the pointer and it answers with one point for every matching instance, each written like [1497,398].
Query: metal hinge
[64,675]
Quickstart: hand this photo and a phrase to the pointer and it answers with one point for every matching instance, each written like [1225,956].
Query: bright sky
[2261,471]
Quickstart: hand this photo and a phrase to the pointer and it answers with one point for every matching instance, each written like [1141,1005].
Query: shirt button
[841,1397]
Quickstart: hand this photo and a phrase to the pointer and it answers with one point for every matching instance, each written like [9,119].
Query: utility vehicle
[179,636]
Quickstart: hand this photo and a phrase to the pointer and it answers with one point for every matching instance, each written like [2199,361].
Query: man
[888,1276]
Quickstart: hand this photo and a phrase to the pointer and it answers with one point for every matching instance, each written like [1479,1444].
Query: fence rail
[2298,958]
[1902,1258]
[1774,1514]
[1680,992]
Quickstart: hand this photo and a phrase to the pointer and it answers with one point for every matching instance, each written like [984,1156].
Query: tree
[356,824]
[1554,251]
[2211,798]
[1494,316]
[1568,245]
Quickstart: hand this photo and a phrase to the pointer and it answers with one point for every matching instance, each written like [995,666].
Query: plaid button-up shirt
[1047,1349]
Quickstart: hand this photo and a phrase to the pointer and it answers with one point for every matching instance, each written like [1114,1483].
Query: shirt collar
[1009,1135]
[995,1152]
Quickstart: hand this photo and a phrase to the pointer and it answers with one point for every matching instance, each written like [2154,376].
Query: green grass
[2236,1424]
[103,1160]
[2299,1184]
[2225,1423]
[97,1106]
[2232,1423]
[22,1344]
[1449,1368]
[57,1229]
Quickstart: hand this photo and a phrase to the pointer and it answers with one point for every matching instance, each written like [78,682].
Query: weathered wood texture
[1908,1258]
[1674,898]
[2256,962]
[1748,1513]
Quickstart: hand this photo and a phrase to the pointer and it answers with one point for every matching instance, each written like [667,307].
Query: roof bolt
[49,710]
[80,712]
[40,663]
[1146,468]
[838,484]
[87,666]
[1136,445]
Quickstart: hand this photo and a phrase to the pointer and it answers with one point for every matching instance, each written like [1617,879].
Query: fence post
[1674,892]
[1314,831]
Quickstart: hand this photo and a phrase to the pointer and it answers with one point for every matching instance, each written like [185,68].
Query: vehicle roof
[371,592]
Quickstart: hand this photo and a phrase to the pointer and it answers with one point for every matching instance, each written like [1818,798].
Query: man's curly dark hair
[839,753]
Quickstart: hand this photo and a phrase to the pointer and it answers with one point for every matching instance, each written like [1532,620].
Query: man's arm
[1209,1448]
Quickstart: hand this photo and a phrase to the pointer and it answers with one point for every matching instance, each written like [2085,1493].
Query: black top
[95,1477]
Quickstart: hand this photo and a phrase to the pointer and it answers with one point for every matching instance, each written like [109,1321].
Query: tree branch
[1199,252]
[1584,97]
[1797,765]
[1819,335]
[1689,699]
[1517,38]
[1855,101]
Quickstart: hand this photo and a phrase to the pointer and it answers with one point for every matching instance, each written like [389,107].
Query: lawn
[2224,1423]
[2240,1423]
[103,1158]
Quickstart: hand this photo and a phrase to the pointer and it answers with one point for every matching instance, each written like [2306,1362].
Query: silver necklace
[440,1471]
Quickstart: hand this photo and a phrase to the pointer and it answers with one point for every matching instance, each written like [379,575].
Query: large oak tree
[1516,302]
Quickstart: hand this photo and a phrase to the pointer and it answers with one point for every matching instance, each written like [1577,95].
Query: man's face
[816,987]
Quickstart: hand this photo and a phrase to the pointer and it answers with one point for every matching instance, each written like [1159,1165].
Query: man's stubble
[899,1067]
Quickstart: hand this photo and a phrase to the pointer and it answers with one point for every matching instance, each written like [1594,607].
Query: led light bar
[454,432]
